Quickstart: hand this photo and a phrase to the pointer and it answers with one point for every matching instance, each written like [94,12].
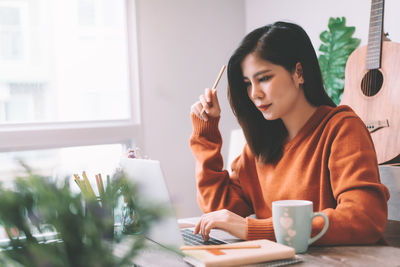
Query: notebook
[269,252]
[147,174]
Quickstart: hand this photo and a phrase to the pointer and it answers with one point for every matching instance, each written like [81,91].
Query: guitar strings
[373,82]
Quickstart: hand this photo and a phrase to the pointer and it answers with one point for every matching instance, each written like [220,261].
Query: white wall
[313,16]
[182,46]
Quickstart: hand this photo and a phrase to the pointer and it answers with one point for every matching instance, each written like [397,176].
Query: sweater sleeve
[216,189]
[361,212]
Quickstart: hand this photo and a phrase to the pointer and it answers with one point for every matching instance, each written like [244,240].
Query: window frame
[31,136]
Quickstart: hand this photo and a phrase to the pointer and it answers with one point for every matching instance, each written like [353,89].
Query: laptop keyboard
[191,239]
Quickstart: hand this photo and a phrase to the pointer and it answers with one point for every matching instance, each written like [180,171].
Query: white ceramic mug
[292,221]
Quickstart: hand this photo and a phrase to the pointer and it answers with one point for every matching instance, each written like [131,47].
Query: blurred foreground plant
[83,227]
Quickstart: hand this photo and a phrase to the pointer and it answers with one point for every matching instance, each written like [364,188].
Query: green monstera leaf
[337,45]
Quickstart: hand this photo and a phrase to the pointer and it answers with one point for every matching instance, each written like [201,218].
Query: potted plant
[337,45]
[50,225]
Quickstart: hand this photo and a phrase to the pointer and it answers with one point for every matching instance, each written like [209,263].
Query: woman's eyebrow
[261,72]
[258,73]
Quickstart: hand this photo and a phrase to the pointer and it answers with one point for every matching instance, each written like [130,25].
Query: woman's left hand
[222,219]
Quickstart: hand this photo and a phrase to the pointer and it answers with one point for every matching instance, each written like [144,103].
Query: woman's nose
[256,91]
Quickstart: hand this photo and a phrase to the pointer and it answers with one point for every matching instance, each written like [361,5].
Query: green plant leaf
[337,45]
[84,226]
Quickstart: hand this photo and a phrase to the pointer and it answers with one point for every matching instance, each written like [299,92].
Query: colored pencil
[223,246]
[98,185]
[81,184]
[101,184]
[88,186]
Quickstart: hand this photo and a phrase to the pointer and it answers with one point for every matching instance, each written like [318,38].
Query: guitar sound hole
[372,82]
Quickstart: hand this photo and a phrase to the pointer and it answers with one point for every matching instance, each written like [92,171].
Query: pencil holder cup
[105,216]
[130,224]
[292,221]
[126,220]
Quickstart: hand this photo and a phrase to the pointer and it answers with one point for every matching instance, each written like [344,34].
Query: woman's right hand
[207,106]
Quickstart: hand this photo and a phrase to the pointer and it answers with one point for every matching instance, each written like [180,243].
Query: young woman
[299,146]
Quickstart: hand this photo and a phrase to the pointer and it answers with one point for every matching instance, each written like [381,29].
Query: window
[11,31]
[63,162]
[69,78]
[69,63]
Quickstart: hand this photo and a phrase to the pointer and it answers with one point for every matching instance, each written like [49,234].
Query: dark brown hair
[283,44]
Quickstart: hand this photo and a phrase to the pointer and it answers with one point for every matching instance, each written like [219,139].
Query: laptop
[147,174]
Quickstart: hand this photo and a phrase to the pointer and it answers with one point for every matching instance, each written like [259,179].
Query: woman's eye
[247,85]
[265,78]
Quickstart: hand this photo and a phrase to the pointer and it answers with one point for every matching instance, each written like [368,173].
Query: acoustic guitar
[372,87]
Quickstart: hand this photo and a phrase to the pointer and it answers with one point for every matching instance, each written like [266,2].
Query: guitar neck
[374,49]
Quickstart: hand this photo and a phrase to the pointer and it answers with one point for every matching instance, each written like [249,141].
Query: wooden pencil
[101,183]
[81,184]
[223,246]
[219,77]
[88,186]
[98,185]
[214,87]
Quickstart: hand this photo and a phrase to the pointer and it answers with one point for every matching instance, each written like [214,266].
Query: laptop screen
[147,174]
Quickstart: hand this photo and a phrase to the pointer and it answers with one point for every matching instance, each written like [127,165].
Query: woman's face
[273,90]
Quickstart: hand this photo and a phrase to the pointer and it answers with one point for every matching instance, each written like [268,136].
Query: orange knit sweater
[331,162]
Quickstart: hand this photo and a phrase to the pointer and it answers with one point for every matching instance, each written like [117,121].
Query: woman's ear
[298,74]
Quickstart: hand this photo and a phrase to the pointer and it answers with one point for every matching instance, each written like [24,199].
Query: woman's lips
[263,108]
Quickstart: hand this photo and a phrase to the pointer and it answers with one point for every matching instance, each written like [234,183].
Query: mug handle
[326,225]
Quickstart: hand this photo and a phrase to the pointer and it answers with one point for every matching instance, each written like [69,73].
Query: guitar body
[383,104]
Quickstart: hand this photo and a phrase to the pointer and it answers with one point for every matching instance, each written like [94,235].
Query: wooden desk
[380,256]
